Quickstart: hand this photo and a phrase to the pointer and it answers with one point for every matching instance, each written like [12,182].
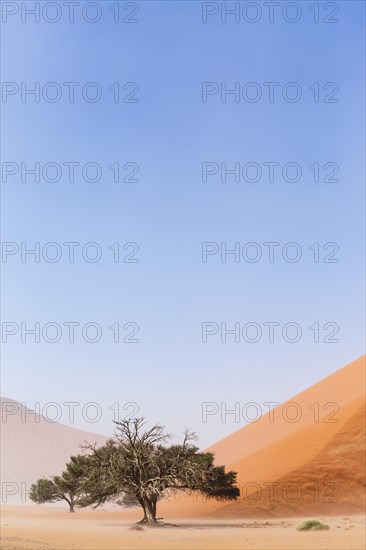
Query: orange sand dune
[315,465]
[341,388]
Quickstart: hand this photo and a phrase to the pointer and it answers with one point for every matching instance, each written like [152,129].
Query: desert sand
[45,528]
[305,460]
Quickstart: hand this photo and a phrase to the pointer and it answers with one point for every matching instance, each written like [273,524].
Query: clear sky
[177,203]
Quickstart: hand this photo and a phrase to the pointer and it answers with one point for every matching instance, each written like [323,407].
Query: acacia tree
[137,468]
[67,486]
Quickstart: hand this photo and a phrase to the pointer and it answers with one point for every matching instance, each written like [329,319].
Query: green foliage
[44,490]
[67,486]
[138,468]
[312,525]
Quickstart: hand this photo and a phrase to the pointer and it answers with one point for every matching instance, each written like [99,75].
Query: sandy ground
[45,528]
[320,459]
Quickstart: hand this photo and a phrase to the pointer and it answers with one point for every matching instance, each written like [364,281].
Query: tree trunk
[142,504]
[150,511]
[70,502]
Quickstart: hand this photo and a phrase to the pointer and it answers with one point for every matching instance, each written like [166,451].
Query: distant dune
[33,447]
[307,457]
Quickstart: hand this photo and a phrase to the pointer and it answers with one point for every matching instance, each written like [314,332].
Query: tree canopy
[137,467]
[67,486]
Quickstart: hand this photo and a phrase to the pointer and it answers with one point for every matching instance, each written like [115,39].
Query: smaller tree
[66,487]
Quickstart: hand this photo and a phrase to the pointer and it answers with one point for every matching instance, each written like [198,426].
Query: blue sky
[170,211]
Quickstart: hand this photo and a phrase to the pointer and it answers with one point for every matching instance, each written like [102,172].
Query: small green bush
[312,525]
